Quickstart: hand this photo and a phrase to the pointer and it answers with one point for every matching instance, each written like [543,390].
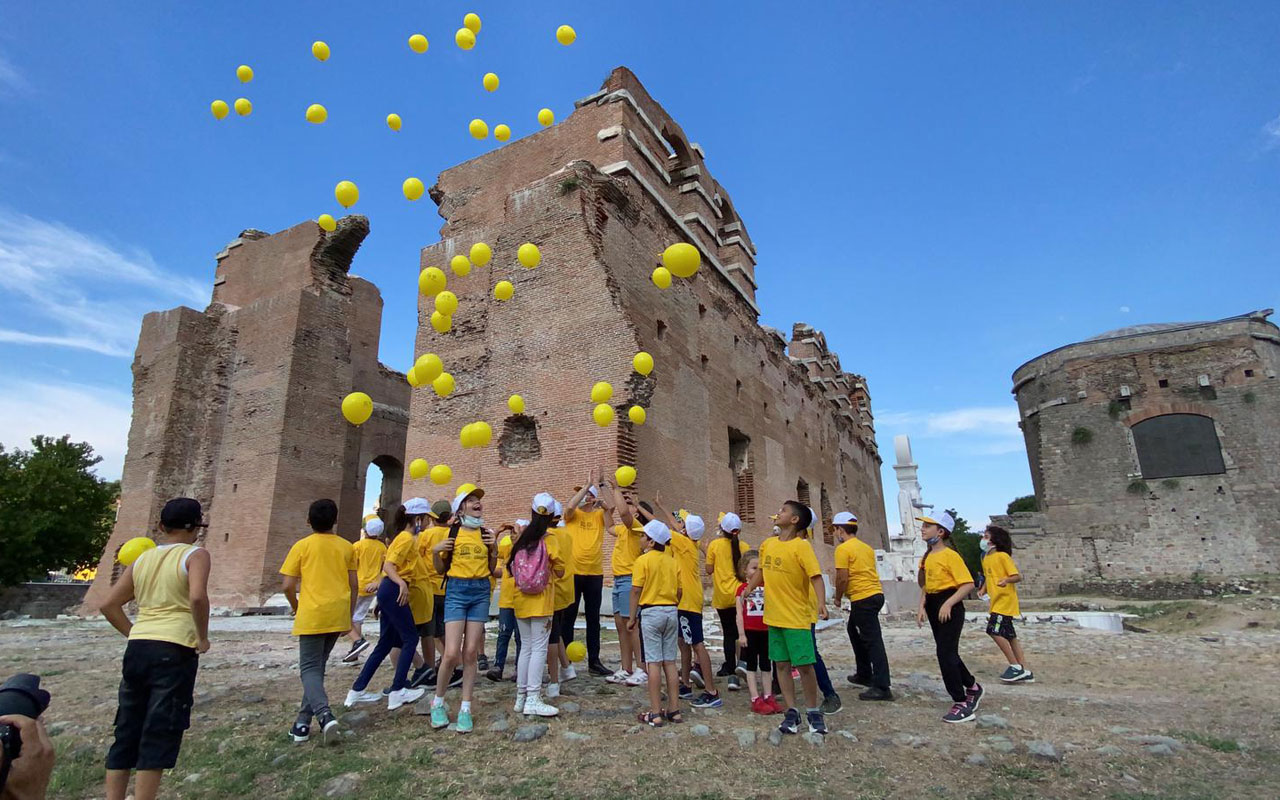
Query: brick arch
[1160,409]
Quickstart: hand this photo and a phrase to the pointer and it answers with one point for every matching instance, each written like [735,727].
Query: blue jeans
[506,629]
[395,629]
[466,599]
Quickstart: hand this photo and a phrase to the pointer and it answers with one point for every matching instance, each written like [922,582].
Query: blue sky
[946,189]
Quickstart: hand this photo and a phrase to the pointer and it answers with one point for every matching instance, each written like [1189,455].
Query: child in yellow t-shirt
[655,594]
[1001,587]
[325,564]
[370,553]
[507,627]
[947,582]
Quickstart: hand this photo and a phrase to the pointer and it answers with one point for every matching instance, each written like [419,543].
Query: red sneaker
[774,706]
[758,706]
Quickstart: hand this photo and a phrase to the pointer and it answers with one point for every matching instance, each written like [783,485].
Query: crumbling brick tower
[734,422]
[238,406]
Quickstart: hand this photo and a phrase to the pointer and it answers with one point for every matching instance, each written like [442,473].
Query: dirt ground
[1208,682]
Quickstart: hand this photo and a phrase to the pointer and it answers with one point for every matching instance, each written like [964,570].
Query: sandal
[675,716]
[651,719]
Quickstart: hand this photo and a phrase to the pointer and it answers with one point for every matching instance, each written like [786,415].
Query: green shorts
[793,645]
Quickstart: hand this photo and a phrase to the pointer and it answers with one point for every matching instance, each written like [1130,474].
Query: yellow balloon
[478,129]
[603,415]
[327,222]
[357,407]
[317,113]
[443,323]
[625,476]
[602,392]
[428,366]
[412,188]
[576,651]
[446,303]
[444,385]
[346,193]
[637,415]
[320,50]
[418,43]
[465,39]
[501,132]
[130,550]
[529,255]
[547,117]
[642,363]
[467,436]
[460,266]
[412,377]
[682,259]
[220,109]
[566,35]
[472,22]
[480,254]
[393,122]
[483,433]
[661,277]
[441,474]
[245,73]
[515,404]
[431,281]
[243,107]
[503,290]
[418,469]
[490,82]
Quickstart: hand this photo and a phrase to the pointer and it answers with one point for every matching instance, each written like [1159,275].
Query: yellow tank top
[164,601]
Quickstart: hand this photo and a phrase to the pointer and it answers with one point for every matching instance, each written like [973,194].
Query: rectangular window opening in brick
[518,443]
[662,329]
[744,486]
[1248,373]
[1164,383]
[802,491]
[828,530]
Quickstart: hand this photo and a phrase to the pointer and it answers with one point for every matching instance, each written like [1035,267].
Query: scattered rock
[59,727]
[746,738]
[1151,739]
[910,740]
[8,615]
[976,760]
[775,737]
[667,735]
[422,708]
[250,699]
[1109,751]
[1120,730]
[192,778]
[882,741]
[570,736]
[1159,750]
[355,719]
[500,725]
[847,735]
[569,707]
[345,785]
[280,759]
[634,729]
[1000,744]
[815,739]
[700,730]
[532,732]
[1043,750]
[225,745]
[993,721]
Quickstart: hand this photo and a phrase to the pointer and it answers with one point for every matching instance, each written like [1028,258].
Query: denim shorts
[622,595]
[466,599]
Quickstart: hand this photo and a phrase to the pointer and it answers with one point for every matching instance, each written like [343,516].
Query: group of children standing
[432,587]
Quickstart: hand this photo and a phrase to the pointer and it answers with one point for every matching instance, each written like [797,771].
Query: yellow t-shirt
[586,529]
[470,555]
[626,547]
[724,573]
[1004,599]
[564,585]
[859,559]
[658,578]
[507,594]
[369,556]
[323,562]
[405,556]
[944,570]
[426,541]
[544,604]
[687,556]
[789,568]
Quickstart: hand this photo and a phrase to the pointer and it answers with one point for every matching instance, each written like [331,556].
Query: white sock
[1018,667]
[466,706]
[436,701]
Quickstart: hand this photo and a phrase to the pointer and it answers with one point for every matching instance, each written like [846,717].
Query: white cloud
[11,79]
[78,291]
[1124,309]
[86,413]
[1272,131]
[986,430]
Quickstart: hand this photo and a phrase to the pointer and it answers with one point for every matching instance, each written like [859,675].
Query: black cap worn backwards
[183,513]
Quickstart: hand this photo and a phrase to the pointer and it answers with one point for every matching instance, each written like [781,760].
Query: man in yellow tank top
[157,684]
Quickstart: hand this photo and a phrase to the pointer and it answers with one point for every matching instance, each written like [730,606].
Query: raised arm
[571,508]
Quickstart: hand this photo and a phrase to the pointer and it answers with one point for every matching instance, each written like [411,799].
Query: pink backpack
[531,569]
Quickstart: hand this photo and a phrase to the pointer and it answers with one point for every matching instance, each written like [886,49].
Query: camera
[22,696]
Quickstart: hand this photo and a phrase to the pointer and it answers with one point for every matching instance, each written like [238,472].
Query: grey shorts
[361,609]
[659,631]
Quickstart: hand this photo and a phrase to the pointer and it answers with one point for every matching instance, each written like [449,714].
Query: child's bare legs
[428,655]
[356,633]
[118,783]
[753,683]
[785,682]
[809,681]
[1016,646]
[654,670]
[624,641]
[704,662]
[453,632]
[563,653]
[553,663]
[686,661]
[637,653]
[1003,644]
[471,644]
[673,685]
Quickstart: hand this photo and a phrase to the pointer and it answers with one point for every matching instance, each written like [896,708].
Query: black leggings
[946,636]
[868,643]
[729,625]
[590,587]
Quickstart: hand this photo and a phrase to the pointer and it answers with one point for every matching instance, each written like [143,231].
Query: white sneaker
[618,677]
[553,690]
[638,678]
[404,696]
[520,701]
[568,673]
[354,697]
[534,707]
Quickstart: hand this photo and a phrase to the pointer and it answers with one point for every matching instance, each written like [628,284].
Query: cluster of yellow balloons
[243,107]
[476,434]
[681,260]
[357,407]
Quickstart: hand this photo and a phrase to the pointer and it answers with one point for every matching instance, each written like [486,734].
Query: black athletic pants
[946,636]
[729,625]
[591,587]
[868,644]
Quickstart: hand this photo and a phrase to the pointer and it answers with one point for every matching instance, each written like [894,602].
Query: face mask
[933,541]
[469,521]
[985,545]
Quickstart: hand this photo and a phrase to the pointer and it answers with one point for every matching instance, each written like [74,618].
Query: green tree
[966,543]
[54,513]
[1025,503]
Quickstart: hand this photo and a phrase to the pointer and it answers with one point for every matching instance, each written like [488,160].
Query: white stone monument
[898,565]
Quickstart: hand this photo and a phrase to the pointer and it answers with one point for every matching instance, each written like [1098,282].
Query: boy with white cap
[370,553]
[686,536]
[857,578]
[655,590]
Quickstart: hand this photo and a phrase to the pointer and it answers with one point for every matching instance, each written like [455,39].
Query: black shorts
[1002,626]
[157,686]
[557,621]
[691,627]
[756,654]
[437,617]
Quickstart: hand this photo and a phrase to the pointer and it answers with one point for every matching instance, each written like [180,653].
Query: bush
[1027,502]
[1081,436]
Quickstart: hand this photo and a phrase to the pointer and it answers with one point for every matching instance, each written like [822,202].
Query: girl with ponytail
[723,556]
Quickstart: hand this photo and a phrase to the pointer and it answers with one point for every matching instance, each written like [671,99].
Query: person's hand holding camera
[29,773]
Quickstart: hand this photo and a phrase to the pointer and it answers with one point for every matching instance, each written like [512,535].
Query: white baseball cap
[522,523]
[374,527]
[844,518]
[544,503]
[457,501]
[813,519]
[730,522]
[943,520]
[657,531]
[417,505]
[694,527]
